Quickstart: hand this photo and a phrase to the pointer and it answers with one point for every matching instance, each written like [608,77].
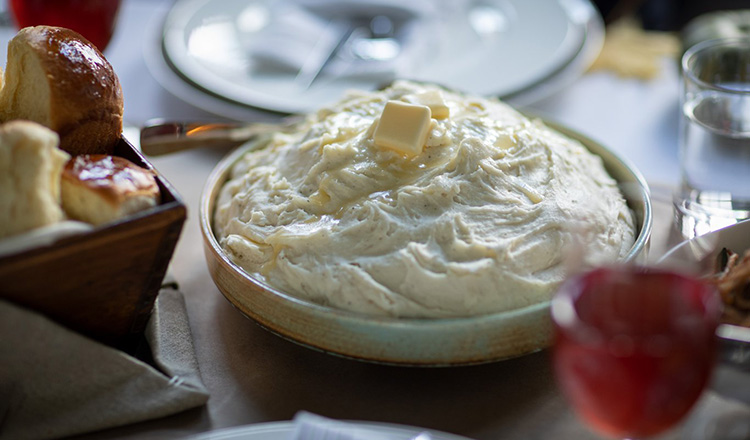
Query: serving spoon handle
[165,137]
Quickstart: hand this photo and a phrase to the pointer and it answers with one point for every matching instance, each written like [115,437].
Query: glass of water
[714,190]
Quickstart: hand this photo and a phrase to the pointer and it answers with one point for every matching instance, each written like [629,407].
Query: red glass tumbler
[634,348]
[94,19]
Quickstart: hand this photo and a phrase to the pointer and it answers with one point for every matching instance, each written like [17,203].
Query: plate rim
[734,364]
[285,427]
[680,251]
[172,82]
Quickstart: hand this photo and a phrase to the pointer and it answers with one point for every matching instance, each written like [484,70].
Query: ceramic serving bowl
[418,342]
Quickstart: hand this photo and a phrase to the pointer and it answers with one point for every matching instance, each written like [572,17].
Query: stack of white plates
[517,50]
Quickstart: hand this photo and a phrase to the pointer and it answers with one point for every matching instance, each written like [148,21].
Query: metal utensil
[369,38]
[165,137]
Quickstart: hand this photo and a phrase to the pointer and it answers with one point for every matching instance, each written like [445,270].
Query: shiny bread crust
[98,188]
[56,77]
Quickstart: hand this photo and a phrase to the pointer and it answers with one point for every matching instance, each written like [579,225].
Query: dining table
[254,376]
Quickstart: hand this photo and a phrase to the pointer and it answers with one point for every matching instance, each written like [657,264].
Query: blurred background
[664,15]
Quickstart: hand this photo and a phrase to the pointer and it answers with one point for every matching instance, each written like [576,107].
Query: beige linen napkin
[631,52]
[56,383]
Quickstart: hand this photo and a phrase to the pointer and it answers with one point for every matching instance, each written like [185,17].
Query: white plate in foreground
[282,430]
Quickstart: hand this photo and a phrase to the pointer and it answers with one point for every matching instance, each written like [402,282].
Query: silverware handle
[169,137]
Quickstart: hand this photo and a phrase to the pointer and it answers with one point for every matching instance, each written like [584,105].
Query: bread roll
[99,188]
[59,79]
[30,170]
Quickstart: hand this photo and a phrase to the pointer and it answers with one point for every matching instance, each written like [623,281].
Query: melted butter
[269,266]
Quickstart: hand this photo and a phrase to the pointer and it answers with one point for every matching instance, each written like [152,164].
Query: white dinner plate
[157,65]
[698,254]
[501,48]
[282,430]
[704,247]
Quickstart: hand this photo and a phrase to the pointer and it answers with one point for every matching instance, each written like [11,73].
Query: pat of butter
[504,141]
[432,99]
[403,127]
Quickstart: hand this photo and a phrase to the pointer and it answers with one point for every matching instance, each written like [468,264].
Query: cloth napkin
[55,382]
[301,34]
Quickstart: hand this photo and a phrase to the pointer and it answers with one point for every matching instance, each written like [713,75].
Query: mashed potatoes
[477,222]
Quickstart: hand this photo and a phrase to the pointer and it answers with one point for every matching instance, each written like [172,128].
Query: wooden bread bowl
[103,283]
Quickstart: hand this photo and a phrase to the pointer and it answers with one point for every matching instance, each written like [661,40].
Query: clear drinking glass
[634,347]
[714,137]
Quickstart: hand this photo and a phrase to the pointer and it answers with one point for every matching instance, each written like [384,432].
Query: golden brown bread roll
[57,78]
[30,169]
[98,188]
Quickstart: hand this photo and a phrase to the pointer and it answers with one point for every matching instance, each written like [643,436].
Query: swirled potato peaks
[414,201]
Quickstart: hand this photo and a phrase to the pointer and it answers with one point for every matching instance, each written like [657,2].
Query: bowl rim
[219,176]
